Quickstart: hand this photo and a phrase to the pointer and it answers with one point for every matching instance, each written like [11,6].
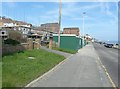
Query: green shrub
[11,42]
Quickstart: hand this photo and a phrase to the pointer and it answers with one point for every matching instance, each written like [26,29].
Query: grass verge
[65,50]
[18,70]
[0,75]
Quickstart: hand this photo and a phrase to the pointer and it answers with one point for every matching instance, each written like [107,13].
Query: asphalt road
[109,58]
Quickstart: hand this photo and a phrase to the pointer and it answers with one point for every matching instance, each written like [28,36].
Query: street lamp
[60,8]
[83,26]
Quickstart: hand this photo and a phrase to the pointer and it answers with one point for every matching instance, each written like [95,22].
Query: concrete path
[57,52]
[80,70]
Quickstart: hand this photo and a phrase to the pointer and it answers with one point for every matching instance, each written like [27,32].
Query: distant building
[50,27]
[88,37]
[10,22]
[3,34]
[71,31]
[7,24]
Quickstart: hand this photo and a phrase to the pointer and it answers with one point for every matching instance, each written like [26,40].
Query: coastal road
[109,58]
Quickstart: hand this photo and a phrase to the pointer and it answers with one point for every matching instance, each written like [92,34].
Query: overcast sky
[101,19]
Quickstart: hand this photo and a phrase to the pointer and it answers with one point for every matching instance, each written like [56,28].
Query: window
[3,32]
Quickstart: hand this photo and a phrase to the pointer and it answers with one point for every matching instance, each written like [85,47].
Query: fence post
[30,43]
[37,44]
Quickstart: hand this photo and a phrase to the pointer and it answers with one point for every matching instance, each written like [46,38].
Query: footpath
[82,69]
[57,52]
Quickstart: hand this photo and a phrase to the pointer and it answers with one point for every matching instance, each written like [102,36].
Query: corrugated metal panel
[69,42]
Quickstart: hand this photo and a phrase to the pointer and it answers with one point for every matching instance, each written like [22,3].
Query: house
[10,22]
[88,37]
[3,34]
[7,24]
[73,30]
[43,33]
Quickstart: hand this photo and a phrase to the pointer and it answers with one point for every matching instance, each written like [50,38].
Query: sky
[100,20]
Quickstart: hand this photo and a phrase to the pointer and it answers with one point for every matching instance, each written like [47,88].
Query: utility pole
[83,27]
[60,8]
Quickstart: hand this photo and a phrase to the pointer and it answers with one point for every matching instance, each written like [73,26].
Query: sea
[113,42]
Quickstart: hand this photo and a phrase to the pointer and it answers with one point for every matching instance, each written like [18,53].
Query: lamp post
[83,26]
[60,8]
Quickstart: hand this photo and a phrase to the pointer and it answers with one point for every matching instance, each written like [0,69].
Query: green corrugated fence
[69,41]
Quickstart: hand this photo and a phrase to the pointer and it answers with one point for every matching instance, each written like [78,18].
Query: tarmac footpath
[82,69]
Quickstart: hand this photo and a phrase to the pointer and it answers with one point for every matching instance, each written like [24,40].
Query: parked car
[108,45]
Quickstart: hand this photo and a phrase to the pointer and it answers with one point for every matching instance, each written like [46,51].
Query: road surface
[109,58]
[80,70]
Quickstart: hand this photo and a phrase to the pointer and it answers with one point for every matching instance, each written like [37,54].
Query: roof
[75,28]
[14,26]
[64,35]
[9,20]
[50,24]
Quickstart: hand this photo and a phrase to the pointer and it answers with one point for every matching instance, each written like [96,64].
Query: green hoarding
[71,42]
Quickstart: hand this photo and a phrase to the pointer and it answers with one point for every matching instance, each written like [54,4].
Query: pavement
[80,70]
[57,52]
[109,58]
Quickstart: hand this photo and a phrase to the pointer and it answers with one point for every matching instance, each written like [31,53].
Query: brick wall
[71,31]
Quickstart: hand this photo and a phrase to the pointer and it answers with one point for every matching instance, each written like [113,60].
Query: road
[109,58]
[80,70]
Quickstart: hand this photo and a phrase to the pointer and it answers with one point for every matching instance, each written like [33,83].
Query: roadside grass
[0,74]
[65,50]
[18,70]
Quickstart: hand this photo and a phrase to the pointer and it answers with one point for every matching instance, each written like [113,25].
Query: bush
[11,42]
[15,35]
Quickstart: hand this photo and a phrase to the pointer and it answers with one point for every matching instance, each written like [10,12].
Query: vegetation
[21,68]
[0,74]
[65,50]
[15,35]
[11,42]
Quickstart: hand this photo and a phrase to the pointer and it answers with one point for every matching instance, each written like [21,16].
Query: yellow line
[111,81]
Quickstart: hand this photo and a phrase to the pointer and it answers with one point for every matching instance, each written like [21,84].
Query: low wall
[9,49]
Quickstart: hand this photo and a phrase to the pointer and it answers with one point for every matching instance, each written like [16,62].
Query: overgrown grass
[18,70]
[0,74]
[65,50]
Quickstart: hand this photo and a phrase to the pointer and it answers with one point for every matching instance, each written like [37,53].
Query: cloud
[105,8]
[71,9]
[88,18]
